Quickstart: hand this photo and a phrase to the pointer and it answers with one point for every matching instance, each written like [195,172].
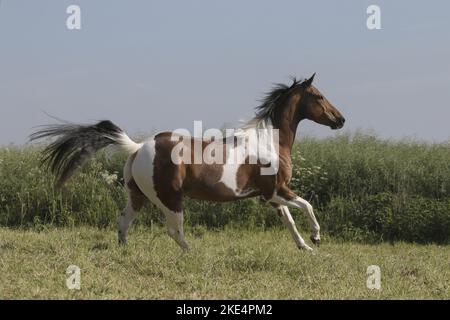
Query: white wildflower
[109,178]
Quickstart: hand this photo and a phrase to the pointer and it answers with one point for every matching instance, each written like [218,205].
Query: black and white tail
[75,144]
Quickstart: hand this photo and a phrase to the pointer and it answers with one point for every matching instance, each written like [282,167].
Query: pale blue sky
[160,65]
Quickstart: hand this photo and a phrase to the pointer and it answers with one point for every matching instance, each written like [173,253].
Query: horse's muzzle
[338,124]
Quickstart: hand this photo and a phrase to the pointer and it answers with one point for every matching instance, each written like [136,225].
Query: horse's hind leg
[124,222]
[161,181]
[174,223]
[136,200]
[168,197]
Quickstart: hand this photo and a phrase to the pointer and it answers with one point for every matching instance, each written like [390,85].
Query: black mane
[272,99]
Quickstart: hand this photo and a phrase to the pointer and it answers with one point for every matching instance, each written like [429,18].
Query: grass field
[228,264]
[378,202]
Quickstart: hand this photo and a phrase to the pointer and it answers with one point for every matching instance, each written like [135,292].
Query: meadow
[378,202]
[227,264]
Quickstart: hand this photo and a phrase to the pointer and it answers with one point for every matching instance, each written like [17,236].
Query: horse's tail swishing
[75,144]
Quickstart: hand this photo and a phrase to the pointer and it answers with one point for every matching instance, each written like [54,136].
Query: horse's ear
[308,82]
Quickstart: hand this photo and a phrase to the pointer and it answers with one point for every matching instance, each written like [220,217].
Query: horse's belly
[217,193]
[215,183]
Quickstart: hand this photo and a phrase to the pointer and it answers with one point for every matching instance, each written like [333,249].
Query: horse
[151,174]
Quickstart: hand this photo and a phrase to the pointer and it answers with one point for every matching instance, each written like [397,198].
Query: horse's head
[314,106]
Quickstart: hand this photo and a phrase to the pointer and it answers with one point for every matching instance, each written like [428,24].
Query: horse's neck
[287,127]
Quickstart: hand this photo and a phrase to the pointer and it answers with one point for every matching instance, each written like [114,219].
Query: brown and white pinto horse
[151,174]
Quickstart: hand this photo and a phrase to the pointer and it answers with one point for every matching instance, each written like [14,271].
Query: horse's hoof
[315,240]
[305,247]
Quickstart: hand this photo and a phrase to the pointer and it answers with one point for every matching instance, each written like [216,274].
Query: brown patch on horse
[203,183]
[167,176]
[137,198]
[249,178]
[198,181]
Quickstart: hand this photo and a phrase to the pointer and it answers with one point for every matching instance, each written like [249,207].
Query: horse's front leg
[286,197]
[286,217]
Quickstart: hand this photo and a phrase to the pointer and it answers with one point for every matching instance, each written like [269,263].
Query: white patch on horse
[142,171]
[255,143]
[229,177]
[236,156]
[263,141]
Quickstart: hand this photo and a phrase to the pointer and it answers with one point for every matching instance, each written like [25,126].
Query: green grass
[230,264]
